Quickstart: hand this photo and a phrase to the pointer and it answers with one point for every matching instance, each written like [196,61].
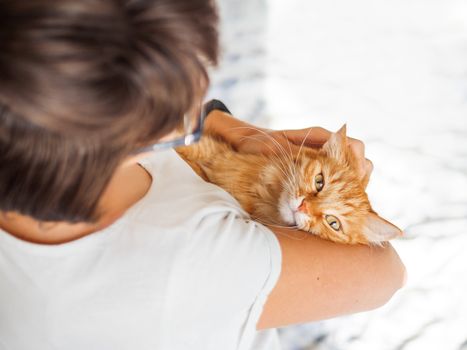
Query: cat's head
[327,197]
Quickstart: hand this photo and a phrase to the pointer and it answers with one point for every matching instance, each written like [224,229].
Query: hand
[249,139]
[270,141]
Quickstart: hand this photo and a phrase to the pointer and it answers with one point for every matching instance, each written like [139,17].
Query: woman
[106,243]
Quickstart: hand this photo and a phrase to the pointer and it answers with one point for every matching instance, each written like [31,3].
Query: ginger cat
[316,190]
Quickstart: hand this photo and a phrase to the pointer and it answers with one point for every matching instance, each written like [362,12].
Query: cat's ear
[335,147]
[377,229]
[342,131]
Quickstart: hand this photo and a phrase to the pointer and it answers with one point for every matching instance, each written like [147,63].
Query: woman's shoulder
[213,239]
[178,195]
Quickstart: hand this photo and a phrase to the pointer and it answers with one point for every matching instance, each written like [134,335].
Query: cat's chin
[289,213]
[285,211]
[301,220]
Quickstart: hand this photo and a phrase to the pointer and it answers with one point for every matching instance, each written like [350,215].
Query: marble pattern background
[396,73]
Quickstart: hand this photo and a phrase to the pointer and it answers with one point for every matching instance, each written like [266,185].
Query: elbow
[392,276]
[398,276]
[402,273]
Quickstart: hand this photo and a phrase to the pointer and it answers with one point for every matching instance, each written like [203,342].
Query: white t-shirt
[183,269]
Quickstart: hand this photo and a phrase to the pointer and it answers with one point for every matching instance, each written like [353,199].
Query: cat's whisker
[294,174]
[283,227]
[294,164]
[289,188]
[287,179]
[291,176]
[286,175]
[274,204]
[290,161]
[290,182]
[288,156]
[283,166]
[263,142]
[272,223]
[270,148]
[290,149]
[279,146]
[293,236]
[282,233]
[288,171]
[301,145]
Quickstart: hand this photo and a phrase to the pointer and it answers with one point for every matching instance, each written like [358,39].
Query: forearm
[322,279]
[232,130]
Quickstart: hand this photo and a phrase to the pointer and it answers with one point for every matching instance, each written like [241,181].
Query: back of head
[85,83]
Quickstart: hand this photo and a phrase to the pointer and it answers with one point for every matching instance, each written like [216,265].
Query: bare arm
[231,129]
[321,279]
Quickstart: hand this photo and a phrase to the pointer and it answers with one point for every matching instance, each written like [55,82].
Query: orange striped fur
[281,189]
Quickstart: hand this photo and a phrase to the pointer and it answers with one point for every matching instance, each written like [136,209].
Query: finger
[358,148]
[295,150]
[368,169]
[285,146]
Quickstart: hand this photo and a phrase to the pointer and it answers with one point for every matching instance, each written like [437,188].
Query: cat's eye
[333,222]
[319,182]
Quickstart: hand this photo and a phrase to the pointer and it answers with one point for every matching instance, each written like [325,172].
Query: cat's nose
[303,207]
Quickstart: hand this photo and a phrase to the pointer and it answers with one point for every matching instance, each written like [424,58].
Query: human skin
[319,279]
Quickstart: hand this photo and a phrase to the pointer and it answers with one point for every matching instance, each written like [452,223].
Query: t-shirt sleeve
[230,265]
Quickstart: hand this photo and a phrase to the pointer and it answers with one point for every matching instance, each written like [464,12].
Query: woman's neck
[128,185]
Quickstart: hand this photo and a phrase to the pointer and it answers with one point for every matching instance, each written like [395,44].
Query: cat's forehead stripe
[308,167]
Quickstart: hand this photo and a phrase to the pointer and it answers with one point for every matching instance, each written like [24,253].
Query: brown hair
[85,83]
